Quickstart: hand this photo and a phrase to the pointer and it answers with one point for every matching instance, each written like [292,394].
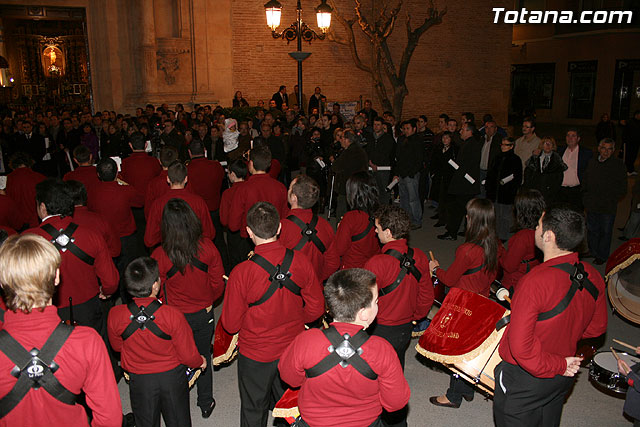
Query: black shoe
[434,216]
[416,226]
[439,224]
[206,412]
[129,420]
[461,234]
[468,398]
[447,236]
[620,228]
[434,401]
[624,239]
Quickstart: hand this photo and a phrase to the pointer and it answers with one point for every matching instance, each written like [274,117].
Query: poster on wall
[348,109]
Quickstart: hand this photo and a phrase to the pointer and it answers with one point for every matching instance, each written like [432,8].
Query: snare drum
[603,370]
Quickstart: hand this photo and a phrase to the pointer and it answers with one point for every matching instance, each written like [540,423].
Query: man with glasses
[528,142]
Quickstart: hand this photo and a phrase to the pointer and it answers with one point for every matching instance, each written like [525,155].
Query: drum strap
[194,262]
[35,368]
[344,350]
[473,270]
[527,261]
[407,265]
[63,241]
[579,282]
[142,318]
[362,235]
[279,276]
[309,233]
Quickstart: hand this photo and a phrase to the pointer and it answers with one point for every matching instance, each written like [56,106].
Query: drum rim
[614,297]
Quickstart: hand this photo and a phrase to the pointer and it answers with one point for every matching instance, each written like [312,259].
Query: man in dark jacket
[604,184]
[465,183]
[409,162]
[380,152]
[352,159]
[175,139]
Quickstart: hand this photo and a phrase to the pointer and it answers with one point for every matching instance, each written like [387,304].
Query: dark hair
[412,122]
[181,232]
[261,158]
[78,192]
[140,275]
[423,117]
[527,208]
[451,119]
[239,167]
[348,291]
[530,120]
[20,158]
[82,154]
[487,118]
[481,230]
[3,236]
[196,148]
[378,119]
[137,141]
[469,116]
[263,219]
[55,196]
[362,192]
[444,116]
[472,127]
[306,190]
[351,136]
[107,170]
[168,155]
[395,219]
[567,225]
[177,173]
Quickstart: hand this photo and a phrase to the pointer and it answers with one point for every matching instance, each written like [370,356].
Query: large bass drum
[623,280]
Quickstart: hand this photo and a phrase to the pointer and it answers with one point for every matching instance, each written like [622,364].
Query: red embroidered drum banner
[287,406]
[463,327]
[224,346]
[622,257]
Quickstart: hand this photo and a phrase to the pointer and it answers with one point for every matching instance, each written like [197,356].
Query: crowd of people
[130,229]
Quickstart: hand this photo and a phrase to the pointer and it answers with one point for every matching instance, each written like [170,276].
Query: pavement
[585,406]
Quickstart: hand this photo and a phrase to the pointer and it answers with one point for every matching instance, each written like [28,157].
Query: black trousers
[399,336]
[523,400]
[260,388]
[239,248]
[630,155]
[221,245]
[202,325]
[165,393]
[458,388]
[571,196]
[457,211]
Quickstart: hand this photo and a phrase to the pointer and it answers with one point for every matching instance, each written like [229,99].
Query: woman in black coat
[442,173]
[502,183]
[545,170]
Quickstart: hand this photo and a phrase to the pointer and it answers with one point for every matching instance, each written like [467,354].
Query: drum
[224,346]
[603,371]
[287,406]
[463,337]
[623,280]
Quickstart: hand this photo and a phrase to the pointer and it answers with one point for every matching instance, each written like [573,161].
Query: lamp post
[298,31]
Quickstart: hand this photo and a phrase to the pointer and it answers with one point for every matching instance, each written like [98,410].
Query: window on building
[582,88]
[531,87]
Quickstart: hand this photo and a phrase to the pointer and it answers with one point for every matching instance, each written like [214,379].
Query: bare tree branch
[350,41]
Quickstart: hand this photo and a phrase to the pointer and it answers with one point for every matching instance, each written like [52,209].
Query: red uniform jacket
[226,201]
[540,348]
[258,188]
[290,235]
[113,202]
[78,279]
[21,188]
[83,366]
[83,216]
[411,300]
[522,246]
[343,396]
[10,213]
[344,253]
[139,169]
[205,180]
[86,175]
[145,353]
[153,233]
[156,188]
[266,329]
[195,289]
[468,256]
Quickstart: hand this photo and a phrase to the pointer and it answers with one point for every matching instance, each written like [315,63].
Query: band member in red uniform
[474,268]
[29,273]
[521,254]
[154,351]
[557,303]
[356,240]
[302,229]
[404,288]
[85,256]
[21,188]
[268,300]
[83,216]
[177,178]
[356,394]
[9,212]
[158,185]
[139,168]
[191,272]
[260,187]
[85,172]
[238,246]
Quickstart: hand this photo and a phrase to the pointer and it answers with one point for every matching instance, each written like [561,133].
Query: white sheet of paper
[453,164]
[118,161]
[321,163]
[469,178]
[506,179]
[393,184]
[3,182]
[147,146]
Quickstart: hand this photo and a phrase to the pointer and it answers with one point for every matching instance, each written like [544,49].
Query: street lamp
[298,31]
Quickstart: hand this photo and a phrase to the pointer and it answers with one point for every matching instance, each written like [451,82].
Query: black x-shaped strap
[407,265]
[366,231]
[279,276]
[308,232]
[63,241]
[142,318]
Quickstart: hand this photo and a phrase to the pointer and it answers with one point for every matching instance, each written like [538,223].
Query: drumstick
[615,354]
[431,256]
[624,344]
[225,277]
